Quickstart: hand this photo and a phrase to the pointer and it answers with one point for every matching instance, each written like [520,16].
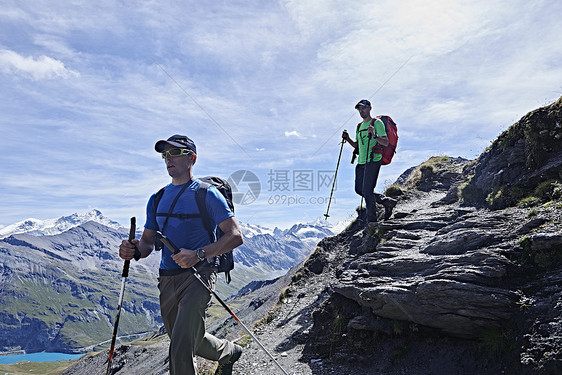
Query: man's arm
[231,239]
[145,245]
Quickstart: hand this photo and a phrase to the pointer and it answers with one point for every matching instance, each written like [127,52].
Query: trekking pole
[125,274]
[175,250]
[334,183]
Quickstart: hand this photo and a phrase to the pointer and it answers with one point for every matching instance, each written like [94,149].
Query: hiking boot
[226,368]
[388,205]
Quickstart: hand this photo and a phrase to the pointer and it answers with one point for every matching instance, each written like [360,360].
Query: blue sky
[88,87]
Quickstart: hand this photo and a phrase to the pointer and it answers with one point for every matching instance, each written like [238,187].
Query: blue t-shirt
[185,233]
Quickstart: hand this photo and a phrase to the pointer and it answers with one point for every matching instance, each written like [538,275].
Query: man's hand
[186,258]
[127,249]
[371,130]
[345,136]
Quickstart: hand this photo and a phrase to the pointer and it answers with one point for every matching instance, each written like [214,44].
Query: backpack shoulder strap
[373,120]
[200,198]
[158,197]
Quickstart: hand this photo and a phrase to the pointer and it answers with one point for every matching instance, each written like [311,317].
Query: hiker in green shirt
[370,133]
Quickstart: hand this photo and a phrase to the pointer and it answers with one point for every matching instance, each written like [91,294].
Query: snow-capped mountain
[72,262]
[56,226]
[251,230]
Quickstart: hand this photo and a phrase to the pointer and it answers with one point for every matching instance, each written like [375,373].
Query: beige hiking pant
[183,301]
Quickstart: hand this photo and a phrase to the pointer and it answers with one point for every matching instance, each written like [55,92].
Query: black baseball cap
[363,103]
[180,141]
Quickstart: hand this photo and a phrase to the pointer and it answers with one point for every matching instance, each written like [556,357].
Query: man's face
[178,166]
[364,111]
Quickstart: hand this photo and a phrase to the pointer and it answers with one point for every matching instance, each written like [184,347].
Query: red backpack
[392,134]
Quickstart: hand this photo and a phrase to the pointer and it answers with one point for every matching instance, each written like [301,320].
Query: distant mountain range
[56,226]
[60,278]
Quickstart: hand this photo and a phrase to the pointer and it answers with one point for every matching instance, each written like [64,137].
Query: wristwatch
[201,254]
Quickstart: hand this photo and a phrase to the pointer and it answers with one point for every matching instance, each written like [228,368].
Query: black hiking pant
[366,176]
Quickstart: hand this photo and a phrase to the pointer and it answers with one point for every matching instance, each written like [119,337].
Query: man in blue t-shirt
[183,300]
[370,133]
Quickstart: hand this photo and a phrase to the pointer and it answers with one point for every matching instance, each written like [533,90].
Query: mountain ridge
[56,226]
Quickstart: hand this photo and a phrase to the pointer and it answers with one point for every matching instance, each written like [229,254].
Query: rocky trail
[436,271]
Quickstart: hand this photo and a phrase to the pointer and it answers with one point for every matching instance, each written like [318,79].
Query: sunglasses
[175,152]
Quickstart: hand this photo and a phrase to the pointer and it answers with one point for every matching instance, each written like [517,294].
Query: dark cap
[363,103]
[177,140]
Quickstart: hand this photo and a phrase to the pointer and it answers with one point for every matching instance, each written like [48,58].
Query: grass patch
[267,319]
[506,196]
[529,202]
[548,190]
[244,341]
[44,368]
[394,191]
[533,213]
[427,170]
[522,196]
[284,294]
[469,194]
[297,276]
[544,258]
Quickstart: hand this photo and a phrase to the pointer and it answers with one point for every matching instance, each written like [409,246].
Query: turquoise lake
[37,357]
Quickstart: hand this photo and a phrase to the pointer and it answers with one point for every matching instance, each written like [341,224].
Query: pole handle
[169,244]
[132,231]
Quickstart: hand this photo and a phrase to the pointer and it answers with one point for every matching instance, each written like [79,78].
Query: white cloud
[293,133]
[450,110]
[41,68]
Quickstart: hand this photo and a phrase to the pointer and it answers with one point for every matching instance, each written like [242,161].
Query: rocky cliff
[465,278]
